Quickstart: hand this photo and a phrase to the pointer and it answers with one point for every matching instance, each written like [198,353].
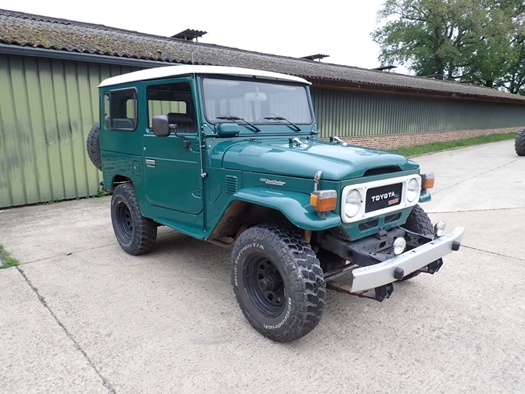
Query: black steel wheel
[135,233]
[93,146]
[418,222]
[264,285]
[519,143]
[278,282]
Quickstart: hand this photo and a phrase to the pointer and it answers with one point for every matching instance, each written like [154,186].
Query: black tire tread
[144,229]
[308,286]
[418,222]
[93,146]
[519,143]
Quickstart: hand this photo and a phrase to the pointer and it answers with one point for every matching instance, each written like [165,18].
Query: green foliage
[475,41]
[6,260]
[448,145]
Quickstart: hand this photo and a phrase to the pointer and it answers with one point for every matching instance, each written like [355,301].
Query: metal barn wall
[356,114]
[47,107]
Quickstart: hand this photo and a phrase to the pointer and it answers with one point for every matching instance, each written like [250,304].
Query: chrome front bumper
[364,278]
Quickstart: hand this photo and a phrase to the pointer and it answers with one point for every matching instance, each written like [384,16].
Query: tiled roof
[36,31]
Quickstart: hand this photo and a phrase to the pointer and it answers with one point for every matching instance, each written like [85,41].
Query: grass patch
[442,146]
[6,260]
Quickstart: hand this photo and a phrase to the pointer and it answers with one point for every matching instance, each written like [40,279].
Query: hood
[336,161]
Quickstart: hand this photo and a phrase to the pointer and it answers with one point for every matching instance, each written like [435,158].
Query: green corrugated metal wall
[47,107]
[356,114]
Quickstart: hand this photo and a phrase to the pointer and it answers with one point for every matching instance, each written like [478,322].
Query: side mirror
[227,129]
[161,127]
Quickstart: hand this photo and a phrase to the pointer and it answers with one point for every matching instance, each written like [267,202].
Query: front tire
[278,282]
[519,143]
[418,222]
[135,233]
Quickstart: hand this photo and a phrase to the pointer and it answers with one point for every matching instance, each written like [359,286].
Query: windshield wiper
[297,128]
[235,118]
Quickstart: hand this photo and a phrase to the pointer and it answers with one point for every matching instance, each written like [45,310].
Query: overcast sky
[289,28]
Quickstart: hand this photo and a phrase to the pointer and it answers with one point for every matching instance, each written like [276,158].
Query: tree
[476,41]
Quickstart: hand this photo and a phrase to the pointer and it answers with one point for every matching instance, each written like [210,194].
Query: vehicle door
[172,172]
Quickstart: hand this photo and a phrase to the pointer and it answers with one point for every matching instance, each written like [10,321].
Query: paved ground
[80,315]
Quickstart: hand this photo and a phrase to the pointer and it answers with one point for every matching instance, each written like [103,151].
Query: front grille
[392,218]
[383,197]
[368,225]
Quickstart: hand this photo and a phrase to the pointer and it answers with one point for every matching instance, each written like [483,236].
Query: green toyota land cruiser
[233,156]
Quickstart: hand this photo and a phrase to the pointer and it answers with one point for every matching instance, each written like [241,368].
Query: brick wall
[404,140]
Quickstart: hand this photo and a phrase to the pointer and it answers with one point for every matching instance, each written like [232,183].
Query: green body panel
[295,206]
[277,156]
[172,173]
[425,196]
[355,232]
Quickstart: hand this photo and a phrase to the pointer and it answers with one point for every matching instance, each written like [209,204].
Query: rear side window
[120,109]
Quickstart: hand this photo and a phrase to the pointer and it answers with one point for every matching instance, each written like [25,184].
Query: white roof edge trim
[174,71]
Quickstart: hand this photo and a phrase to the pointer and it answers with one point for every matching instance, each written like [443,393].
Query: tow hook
[383,292]
[434,267]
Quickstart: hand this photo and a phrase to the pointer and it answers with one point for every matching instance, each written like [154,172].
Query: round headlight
[412,190]
[353,203]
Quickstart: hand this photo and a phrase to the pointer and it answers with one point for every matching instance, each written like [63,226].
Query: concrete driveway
[80,315]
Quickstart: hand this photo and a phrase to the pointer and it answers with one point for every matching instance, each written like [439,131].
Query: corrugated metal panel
[47,107]
[354,113]
[46,110]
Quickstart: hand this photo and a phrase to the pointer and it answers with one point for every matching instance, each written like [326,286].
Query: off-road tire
[93,146]
[519,143]
[135,233]
[418,222]
[278,282]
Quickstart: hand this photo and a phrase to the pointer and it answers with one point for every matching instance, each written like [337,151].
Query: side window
[174,100]
[120,109]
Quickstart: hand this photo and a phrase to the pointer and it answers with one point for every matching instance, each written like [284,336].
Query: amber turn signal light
[428,180]
[324,200]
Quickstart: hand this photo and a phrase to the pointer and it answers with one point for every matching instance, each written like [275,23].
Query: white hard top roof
[174,71]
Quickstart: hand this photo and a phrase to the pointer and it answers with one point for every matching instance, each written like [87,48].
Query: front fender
[294,205]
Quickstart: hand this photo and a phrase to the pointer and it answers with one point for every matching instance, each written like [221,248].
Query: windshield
[255,102]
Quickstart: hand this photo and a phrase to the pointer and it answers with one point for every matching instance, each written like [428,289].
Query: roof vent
[385,68]
[189,35]
[315,57]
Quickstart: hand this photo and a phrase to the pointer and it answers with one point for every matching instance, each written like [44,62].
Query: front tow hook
[434,267]
[383,292]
